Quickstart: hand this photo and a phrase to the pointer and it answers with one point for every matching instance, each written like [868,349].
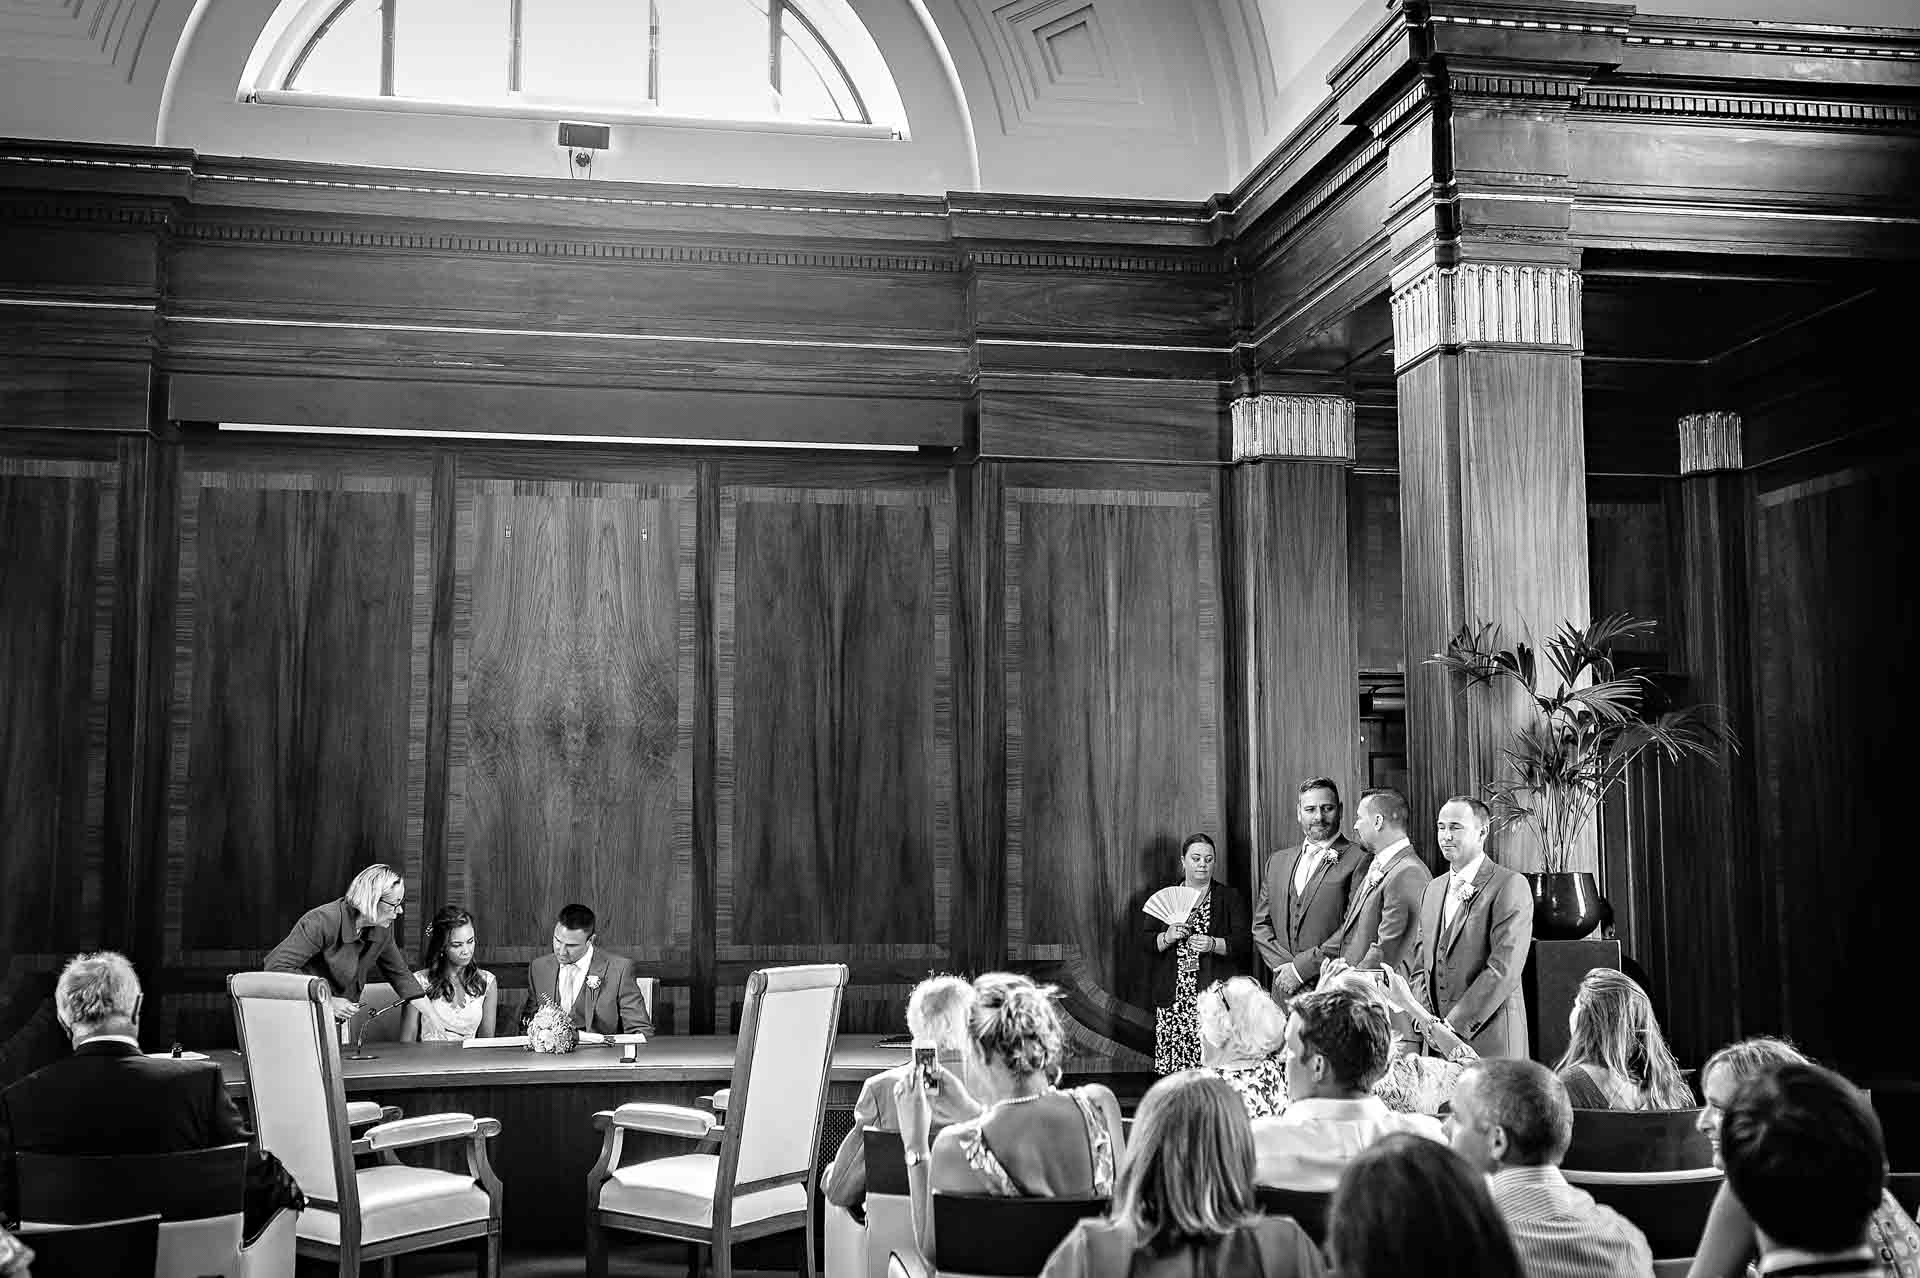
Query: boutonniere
[593,980]
[1467,894]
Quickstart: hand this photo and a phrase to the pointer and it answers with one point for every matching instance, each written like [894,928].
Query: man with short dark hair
[1305,888]
[1476,926]
[597,986]
[110,1098]
[1512,1120]
[1336,1048]
[1382,919]
[1804,1155]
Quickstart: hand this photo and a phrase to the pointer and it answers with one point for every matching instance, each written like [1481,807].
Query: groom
[596,985]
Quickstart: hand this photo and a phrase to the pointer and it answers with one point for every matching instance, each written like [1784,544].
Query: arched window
[801,61]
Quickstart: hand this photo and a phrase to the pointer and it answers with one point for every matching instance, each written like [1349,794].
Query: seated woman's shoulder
[486,978]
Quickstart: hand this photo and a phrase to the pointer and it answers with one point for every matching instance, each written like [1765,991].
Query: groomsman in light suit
[1476,926]
[598,986]
[1304,892]
[1383,917]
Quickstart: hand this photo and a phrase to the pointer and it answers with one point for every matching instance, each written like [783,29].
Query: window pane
[585,50]
[811,86]
[345,57]
[713,59]
[451,50]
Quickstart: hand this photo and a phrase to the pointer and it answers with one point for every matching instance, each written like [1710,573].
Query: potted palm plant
[1575,745]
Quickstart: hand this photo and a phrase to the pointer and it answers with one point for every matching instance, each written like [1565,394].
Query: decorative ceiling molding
[1726,106]
[1055,63]
[1206,263]
[104,33]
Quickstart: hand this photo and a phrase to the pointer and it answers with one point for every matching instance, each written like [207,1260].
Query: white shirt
[1381,860]
[1309,1145]
[1311,856]
[572,976]
[1559,1229]
[128,1039]
[1462,877]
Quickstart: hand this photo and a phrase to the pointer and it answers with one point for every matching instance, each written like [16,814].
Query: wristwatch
[914,1157]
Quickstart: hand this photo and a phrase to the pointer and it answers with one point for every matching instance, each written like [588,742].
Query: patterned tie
[1455,890]
[569,985]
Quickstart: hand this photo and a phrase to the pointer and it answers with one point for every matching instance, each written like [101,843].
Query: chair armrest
[271,1253]
[720,1099]
[364,1113]
[664,1120]
[1685,1176]
[427,1129]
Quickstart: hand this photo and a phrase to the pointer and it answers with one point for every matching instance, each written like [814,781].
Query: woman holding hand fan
[1197,931]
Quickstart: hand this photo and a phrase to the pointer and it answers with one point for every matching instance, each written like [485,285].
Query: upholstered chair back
[786,1044]
[293,1078]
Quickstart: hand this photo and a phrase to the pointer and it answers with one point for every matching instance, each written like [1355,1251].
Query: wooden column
[1719,925]
[1294,663]
[1487,346]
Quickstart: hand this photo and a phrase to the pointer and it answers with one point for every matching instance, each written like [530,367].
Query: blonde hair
[368,886]
[96,989]
[1614,1028]
[1188,1176]
[940,1011]
[1751,1057]
[1238,1018]
[1016,1023]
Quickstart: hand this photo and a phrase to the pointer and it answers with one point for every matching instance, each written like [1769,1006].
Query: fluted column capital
[1710,441]
[1485,304]
[1298,427]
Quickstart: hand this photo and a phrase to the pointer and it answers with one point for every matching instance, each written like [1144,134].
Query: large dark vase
[1566,906]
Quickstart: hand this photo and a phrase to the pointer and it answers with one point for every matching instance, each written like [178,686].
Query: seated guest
[939,1011]
[1183,1204]
[109,1098]
[346,940]
[1511,1120]
[1730,1241]
[1030,1139]
[597,986]
[461,997]
[1336,1046]
[1804,1158]
[1413,1083]
[1412,1208]
[1241,1032]
[1617,1058]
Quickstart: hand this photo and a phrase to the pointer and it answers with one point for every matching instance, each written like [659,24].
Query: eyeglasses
[396,906]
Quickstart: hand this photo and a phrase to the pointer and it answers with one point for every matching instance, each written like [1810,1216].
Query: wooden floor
[638,1260]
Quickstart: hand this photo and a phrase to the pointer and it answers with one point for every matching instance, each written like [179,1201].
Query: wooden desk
[546,1104]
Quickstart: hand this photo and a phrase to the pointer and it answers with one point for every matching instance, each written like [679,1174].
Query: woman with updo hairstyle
[461,996]
[1616,1057]
[1409,1207]
[1195,931]
[1184,1205]
[1026,1137]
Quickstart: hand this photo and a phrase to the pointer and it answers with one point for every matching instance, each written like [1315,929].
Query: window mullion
[388,15]
[516,18]
[776,10]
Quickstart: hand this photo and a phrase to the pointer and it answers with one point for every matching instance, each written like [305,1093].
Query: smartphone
[923,1054]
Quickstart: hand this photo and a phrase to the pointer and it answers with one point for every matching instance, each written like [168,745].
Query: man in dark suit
[1476,926]
[1383,916]
[1305,889]
[597,986]
[109,1098]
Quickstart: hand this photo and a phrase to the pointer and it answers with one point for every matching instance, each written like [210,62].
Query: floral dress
[1176,1029]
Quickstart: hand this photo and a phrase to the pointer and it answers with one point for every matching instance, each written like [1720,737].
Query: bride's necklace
[1022,1100]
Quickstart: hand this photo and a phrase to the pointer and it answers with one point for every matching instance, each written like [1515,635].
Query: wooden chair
[980,1236]
[198,1196]
[1670,1207]
[1307,1207]
[354,1214]
[763,1177]
[1629,1140]
[117,1247]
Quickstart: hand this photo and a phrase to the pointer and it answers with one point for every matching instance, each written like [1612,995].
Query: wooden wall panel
[299,713]
[59,535]
[1835,698]
[834,701]
[1111,671]
[1380,633]
[572,720]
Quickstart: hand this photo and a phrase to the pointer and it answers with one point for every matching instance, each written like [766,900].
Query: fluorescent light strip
[281,428]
